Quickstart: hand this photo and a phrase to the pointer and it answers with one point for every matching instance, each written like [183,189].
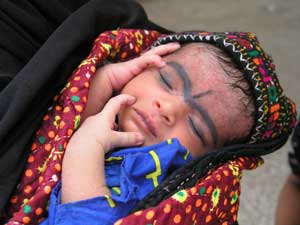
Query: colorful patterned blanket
[214,198]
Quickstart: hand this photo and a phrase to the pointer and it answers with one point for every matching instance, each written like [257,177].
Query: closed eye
[165,81]
[196,130]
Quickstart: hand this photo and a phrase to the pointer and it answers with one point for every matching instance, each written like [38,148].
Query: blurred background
[277,25]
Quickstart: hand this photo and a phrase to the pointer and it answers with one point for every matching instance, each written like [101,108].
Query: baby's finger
[126,139]
[164,49]
[139,64]
[153,57]
[114,105]
[115,126]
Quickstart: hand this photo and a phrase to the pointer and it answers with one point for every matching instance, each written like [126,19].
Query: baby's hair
[236,82]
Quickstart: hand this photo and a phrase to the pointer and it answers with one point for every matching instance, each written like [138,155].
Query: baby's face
[187,99]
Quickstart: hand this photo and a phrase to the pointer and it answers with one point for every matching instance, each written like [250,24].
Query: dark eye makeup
[165,81]
[196,130]
[168,84]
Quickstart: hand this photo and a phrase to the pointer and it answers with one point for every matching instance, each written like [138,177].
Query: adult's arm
[288,207]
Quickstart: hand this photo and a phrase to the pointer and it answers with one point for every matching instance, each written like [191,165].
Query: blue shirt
[130,175]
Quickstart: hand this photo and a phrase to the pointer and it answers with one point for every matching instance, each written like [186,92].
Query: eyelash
[165,81]
[196,132]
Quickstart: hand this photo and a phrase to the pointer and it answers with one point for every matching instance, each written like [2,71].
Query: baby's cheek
[123,122]
[127,123]
[196,149]
[187,140]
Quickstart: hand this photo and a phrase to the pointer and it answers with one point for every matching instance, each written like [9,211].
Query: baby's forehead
[197,48]
[198,56]
[199,63]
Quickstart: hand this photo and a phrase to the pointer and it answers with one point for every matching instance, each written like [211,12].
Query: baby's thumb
[126,139]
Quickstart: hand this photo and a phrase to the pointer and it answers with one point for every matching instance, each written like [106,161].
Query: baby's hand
[83,174]
[113,77]
[119,74]
[102,128]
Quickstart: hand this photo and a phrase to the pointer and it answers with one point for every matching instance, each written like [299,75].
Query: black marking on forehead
[190,99]
[202,94]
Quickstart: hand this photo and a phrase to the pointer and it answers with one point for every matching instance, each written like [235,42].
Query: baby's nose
[167,110]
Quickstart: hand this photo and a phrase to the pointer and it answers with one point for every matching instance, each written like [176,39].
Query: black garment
[41,42]
[24,27]
[294,156]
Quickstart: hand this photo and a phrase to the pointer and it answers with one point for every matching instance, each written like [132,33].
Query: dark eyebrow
[190,99]
[202,94]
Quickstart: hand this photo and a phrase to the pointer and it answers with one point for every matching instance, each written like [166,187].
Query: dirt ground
[277,25]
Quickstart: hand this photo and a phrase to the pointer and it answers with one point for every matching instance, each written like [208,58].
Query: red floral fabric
[213,200]
[28,204]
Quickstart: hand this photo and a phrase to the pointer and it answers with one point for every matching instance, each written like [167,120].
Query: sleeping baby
[168,98]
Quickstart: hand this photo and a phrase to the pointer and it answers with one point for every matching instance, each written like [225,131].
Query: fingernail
[176,44]
[139,138]
[132,99]
[162,63]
